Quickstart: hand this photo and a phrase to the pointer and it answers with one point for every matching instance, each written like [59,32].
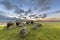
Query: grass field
[48,31]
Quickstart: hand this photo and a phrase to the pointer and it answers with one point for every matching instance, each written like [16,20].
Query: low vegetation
[48,31]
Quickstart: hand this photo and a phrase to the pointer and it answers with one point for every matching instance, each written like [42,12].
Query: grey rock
[24,31]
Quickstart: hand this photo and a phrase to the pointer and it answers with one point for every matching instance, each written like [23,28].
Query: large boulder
[30,22]
[9,24]
[17,23]
[21,25]
[27,22]
[24,31]
[37,26]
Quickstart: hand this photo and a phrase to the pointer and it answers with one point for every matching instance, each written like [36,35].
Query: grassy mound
[49,31]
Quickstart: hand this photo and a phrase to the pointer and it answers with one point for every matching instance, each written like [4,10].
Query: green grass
[1,27]
[48,31]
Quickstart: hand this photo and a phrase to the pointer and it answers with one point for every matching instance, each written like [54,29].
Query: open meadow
[48,31]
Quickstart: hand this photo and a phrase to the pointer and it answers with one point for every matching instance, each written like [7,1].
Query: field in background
[48,31]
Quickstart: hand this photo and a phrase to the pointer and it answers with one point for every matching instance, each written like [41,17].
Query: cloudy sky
[18,8]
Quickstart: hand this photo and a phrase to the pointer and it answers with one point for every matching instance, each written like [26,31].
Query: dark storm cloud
[32,15]
[39,4]
[45,8]
[18,11]
[42,4]
[28,11]
[8,4]
[46,14]
[2,12]
[58,11]
[43,15]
